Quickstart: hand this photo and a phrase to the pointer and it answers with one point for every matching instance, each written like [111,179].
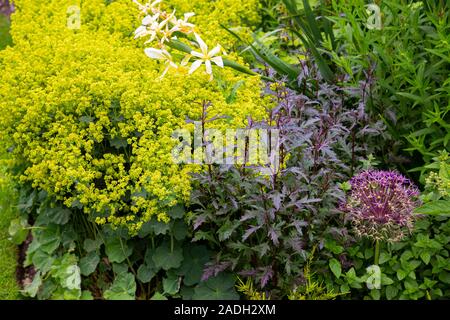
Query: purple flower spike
[380,204]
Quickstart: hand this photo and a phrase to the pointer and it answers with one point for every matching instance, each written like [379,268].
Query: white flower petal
[218,61]
[215,51]
[197,54]
[195,66]
[208,67]
[155,54]
[168,19]
[174,29]
[188,15]
[140,32]
[152,38]
[147,20]
[201,44]
[164,72]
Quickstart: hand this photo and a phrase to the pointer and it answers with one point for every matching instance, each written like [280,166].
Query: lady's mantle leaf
[166,259]
[220,287]
[123,288]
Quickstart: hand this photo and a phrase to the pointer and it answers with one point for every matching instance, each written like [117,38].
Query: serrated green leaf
[391,292]
[158,296]
[123,288]
[425,256]
[166,259]
[89,263]
[444,276]
[47,289]
[220,287]
[117,250]
[384,257]
[18,230]
[180,230]
[434,208]
[176,212]
[195,258]
[171,284]
[157,227]
[58,215]
[344,288]
[226,230]
[49,238]
[375,294]
[401,274]
[119,268]
[368,253]
[42,261]
[145,273]
[32,288]
[92,245]
[86,295]
[73,278]
[335,267]
[385,280]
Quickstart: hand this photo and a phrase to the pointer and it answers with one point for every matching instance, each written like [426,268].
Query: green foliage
[248,290]
[8,251]
[76,259]
[415,268]
[123,288]
[5,37]
[410,51]
[407,54]
[218,287]
[437,196]
[313,289]
[312,33]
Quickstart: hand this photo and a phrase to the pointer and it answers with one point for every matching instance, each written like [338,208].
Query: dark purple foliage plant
[264,226]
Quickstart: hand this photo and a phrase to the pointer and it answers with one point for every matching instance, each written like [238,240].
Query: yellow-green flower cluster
[440,180]
[87,117]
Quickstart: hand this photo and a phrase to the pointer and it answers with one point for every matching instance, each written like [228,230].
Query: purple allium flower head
[380,204]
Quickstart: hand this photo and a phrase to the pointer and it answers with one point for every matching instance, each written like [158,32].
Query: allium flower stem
[377,252]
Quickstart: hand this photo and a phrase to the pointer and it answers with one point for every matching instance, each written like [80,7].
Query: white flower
[148,6]
[146,27]
[161,55]
[183,25]
[158,29]
[205,56]
[149,19]
[166,35]
[140,32]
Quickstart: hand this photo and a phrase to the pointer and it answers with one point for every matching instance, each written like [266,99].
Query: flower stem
[377,252]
